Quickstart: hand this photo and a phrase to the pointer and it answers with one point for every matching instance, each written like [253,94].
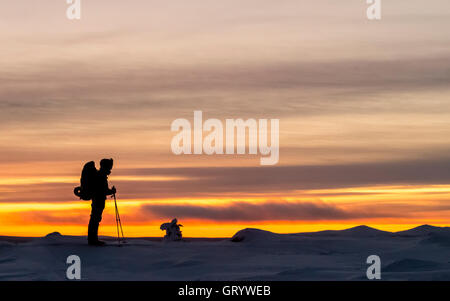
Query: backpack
[87,181]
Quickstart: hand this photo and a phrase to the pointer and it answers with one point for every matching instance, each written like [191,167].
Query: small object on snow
[53,234]
[173,232]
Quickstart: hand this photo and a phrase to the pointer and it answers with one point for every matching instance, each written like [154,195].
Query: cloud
[215,181]
[241,211]
[49,94]
[245,181]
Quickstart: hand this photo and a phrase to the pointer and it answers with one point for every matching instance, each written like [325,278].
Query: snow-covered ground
[422,253]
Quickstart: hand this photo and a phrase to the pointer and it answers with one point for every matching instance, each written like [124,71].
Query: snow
[251,254]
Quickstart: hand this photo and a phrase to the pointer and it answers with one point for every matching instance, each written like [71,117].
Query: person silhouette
[100,192]
[173,232]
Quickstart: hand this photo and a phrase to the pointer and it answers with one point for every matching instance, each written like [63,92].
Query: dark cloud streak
[240,211]
[44,93]
[244,181]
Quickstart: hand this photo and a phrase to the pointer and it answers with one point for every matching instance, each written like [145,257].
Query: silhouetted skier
[99,193]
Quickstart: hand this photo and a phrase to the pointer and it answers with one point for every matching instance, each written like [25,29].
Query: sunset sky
[364,110]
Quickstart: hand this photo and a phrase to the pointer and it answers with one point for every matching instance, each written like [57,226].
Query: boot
[93,233]
[97,243]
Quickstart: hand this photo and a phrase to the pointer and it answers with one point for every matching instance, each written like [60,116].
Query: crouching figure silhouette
[173,232]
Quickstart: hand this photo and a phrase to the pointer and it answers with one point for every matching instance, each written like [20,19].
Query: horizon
[188,237]
[364,127]
[243,229]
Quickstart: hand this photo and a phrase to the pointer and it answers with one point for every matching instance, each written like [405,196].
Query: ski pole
[118,222]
